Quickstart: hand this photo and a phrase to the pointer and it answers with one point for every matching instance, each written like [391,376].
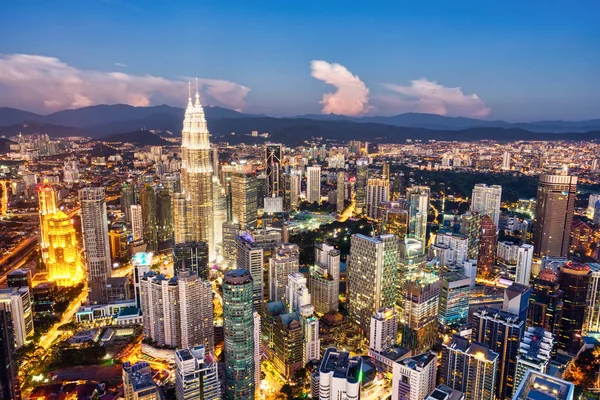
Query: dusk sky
[513,60]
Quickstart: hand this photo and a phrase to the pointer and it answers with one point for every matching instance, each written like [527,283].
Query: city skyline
[457,60]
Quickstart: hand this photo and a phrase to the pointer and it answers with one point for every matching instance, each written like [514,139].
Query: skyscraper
[18,303]
[137,222]
[454,299]
[384,329]
[506,161]
[231,231]
[94,226]
[486,200]
[546,302]
[63,263]
[418,199]
[273,169]
[138,383]
[372,267]
[196,375]
[9,378]
[573,279]
[127,200]
[244,194]
[362,175]
[535,351]
[378,190]
[469,368]
[284,262]
[251,259]
[47,208]
[181,227]
[340,189]
[487,247]
[239,335]
[148,203]
[340,375]
[536,385]
[413,378]
[421,309]
[164,217]
[592,311]
[313,184]
[192,256]
[554,214]
[324,280]
[502,332]
[196,174]
[524,261]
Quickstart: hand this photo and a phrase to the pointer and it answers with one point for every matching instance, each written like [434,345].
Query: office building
[506,161]
[164,217]
[573,280]
[384,329]
[455,290]
[451,249]
[284,262]
[196,375]
[554,214]
[94,226]
[418,206]
[413,378]
[181,225]
[486,200]
[196,175]
[238,328]
[524,261]
[192,256]
[421,309]
[19,277]
[220,212]
[486,257]
[126,200]
[287,344]
[178,312]
[340,189]
[502,332]
[536,385]
[149,227]
[141,263]
[591,322]
[244,195]
[138,383]
[274,171]
[362,176]
[378,190]
[535,351]
[443,392]
[592,206]
[394,220]
[47,208]
[469,368]
[313,184]
[324,280]
[251,258]
[292,188]
[340,376]
[231,232]
[9,378]
[470,226]
[118,239]
[63,263]
[372,267]
[516,300]
[18,303]
[546,302]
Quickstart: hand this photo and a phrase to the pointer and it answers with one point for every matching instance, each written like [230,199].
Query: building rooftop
[493,313]
[443,392]
[538,386]
[419,361]
[341,365]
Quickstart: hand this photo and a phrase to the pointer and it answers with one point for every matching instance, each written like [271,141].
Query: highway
[52,334]
[26,247]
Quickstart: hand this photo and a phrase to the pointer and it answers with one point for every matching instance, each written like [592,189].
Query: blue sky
[524,60]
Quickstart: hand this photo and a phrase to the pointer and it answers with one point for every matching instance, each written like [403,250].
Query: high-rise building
[126,200]
[591,322]
[9,378]
[573,280]
[454,299]
[313,184]
[287,344]
[394,220]
[251,258]
[148,203]
[137,222]
[196,375]
[524,261]
[324,280]
[138,383]
[340,376]
[63,263]
[181,225]
[220,212]
[239,334]
[487,247]
[502,332]
[451,249]
[443,392]
[164,217]
[284,262]
[231,232]
[19,277]
[592,206]
[273,167]
[362,175]
[192,256]
[421,309]
[340,189]
[47,208]
[470,226]
[535,351]
[378,190]
[546,302]
[384,329]
[141,263]
[178,312]
[372,267]
[292,188]
[413,378]
[94,226]
[516,300]
[196,175]
[469,368]
[506,161]
[536,385]
[257,347]
[486,200]
[244,194]
[18,303]
[418,203]
[554,214]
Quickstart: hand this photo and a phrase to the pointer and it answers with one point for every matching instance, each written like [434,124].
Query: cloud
[47,84]
[118,64]
[351,96]
[430,97]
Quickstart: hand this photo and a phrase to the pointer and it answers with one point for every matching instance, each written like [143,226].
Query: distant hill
[139,138]
[31,128]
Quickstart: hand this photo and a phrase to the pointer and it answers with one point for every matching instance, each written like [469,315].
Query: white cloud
[351,96]
[118,64]
[46,84]
[430,97]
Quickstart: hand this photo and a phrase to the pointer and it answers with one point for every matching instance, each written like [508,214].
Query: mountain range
[119,122]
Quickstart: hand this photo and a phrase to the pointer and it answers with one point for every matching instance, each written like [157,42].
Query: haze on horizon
[510,61]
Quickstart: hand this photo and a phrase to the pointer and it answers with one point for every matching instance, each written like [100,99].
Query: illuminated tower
[47,208]
[63,263]
[196,174]
[273,168]
[487,247]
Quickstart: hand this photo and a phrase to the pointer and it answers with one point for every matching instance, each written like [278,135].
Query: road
[26,246]
[347,213]
[52,334]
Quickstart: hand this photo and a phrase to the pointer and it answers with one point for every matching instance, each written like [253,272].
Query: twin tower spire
[197,103]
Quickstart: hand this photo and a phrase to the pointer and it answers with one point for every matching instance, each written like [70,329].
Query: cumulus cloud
[47,84]
[430,97]
[351,96]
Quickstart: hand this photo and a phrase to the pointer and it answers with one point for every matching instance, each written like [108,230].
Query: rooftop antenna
[190,91]
[197,91]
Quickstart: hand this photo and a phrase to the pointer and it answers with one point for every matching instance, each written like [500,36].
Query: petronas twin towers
[196,179]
